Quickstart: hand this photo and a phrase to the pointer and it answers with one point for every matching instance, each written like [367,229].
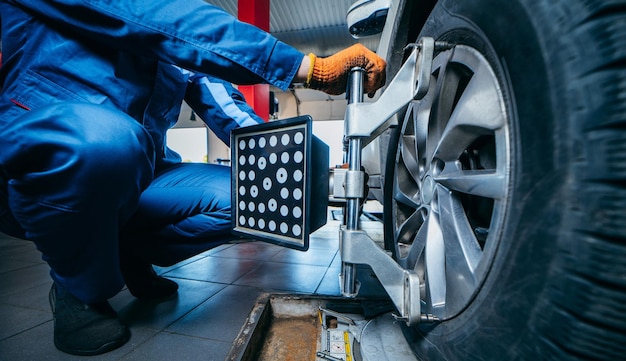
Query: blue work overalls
[89,89]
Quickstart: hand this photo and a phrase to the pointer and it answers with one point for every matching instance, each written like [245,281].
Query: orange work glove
[330,74]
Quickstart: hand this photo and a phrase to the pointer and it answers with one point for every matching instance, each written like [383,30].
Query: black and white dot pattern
[270,182]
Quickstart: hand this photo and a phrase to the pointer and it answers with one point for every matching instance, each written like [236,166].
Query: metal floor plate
[383,340]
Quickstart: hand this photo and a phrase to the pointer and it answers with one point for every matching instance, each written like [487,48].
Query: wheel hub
[428,189]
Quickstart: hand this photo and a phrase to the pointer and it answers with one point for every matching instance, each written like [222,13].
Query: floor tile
[168,346]
[330,283]
[158,316]
[16,254]
[18,319]
[24,278]
[250,250]
[161,270]
[214,269]
[314,256]
[221,317]
[37,344]
[35,298]
[32,344]
[325,238]
[275,276]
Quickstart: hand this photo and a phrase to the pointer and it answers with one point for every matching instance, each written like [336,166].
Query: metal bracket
[402,286]
[348,183]
[410,83]
[364,121]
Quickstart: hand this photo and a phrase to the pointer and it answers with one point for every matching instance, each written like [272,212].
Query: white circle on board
[285,139]
[262,163]
[297,212]
[298,137]
[298,157]
[297,175]
[281,175]
[297,194]
[272,205]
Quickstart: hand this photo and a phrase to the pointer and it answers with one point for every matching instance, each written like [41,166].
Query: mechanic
[89,89]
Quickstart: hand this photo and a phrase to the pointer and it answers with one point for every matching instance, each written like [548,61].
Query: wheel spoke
[406,195]
[477,112]
[435,262]
[413,232]
[417,248]
[408,150]
[420,116]
[479,105]
[483,183]
[463,252]
[407,230]
[443,103]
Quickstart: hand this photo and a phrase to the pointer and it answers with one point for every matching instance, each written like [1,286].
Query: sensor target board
[270,185]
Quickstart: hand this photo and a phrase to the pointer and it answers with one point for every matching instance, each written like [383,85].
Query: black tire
[554,280]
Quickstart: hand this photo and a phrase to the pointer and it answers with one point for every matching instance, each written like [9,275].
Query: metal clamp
[354,184]
[402,286]
[347,184]
[368,120]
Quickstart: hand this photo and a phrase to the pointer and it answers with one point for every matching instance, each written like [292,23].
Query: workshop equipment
[279,190]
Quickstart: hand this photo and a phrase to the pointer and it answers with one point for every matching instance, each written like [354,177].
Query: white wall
[196,143]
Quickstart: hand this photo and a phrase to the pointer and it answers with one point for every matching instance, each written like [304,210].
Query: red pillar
[256,12]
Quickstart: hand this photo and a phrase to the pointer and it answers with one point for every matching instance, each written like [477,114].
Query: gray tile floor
[217,291]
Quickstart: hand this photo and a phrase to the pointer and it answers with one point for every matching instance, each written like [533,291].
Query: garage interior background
[310,26]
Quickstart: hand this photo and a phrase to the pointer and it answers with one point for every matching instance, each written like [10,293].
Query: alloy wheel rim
[451,181]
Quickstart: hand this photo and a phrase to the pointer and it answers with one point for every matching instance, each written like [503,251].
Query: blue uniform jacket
[142,57]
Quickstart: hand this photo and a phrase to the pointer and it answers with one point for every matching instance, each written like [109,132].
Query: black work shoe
[143,282]
[81,329]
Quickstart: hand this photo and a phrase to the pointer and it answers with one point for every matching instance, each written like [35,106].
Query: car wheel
[506,185]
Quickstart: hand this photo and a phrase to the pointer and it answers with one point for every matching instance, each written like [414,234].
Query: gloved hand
[330,74]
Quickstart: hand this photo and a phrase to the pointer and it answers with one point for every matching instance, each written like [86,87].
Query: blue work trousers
[79,180]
